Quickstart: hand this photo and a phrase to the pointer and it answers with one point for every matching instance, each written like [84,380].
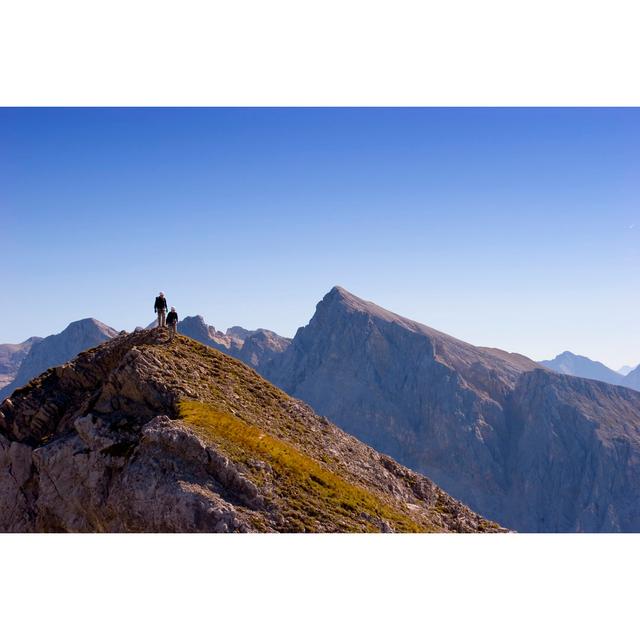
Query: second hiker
[160,307]
[172,323]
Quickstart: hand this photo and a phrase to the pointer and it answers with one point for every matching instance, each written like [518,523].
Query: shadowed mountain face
[573,365]
[535,450]
[11,356]
[139,434]
[58,348]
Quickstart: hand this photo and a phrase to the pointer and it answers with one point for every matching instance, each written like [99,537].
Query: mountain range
[522,444]
[141,434]
[20,363]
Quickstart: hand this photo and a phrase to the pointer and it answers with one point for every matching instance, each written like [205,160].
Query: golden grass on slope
[310,496]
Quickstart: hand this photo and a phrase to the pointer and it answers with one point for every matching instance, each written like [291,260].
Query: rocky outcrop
[532,449]
[58,348]
[11,356]
[139,434]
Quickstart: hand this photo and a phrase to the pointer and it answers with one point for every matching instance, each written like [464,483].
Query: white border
[319,586]
[335,52]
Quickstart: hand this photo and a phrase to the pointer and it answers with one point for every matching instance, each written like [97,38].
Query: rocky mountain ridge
[139,434]
[253,347]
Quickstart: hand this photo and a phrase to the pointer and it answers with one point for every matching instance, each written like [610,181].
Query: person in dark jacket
[160,307]
[172,323]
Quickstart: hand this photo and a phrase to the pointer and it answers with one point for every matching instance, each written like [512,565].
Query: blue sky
[514,228]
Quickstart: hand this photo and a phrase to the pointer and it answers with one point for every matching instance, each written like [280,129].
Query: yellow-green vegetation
[309,496]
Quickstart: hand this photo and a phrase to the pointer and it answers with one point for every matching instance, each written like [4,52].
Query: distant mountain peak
[571,364]
[91,323]
[340,298]
[340,294]
[197,320]
[56,349]
[448,348]
[239,332]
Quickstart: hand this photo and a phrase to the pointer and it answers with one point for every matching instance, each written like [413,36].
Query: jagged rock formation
[255,348]
[58,348]
[573,365]
[11,356]
[142,435]
[530,448]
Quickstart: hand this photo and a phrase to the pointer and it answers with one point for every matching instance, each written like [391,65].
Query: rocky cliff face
[58,348]
[142,435]
[11,357]
[535,450]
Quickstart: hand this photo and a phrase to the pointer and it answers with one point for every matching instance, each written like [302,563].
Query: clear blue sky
[515,228]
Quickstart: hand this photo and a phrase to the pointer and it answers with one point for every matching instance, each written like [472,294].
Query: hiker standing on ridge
[172,323]
[160,307]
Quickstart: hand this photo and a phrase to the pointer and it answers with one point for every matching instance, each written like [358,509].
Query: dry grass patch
[310,496]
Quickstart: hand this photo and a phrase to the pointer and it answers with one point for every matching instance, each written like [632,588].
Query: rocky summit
[139,434]
[533,449]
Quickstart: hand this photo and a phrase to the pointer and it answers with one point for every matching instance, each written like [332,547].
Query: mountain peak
[572,364]
[337,290]
[452,350]
[197,320]
[92,324]
[58,348]
[347,300]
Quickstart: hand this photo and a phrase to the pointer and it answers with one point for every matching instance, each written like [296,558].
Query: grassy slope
[307,491]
